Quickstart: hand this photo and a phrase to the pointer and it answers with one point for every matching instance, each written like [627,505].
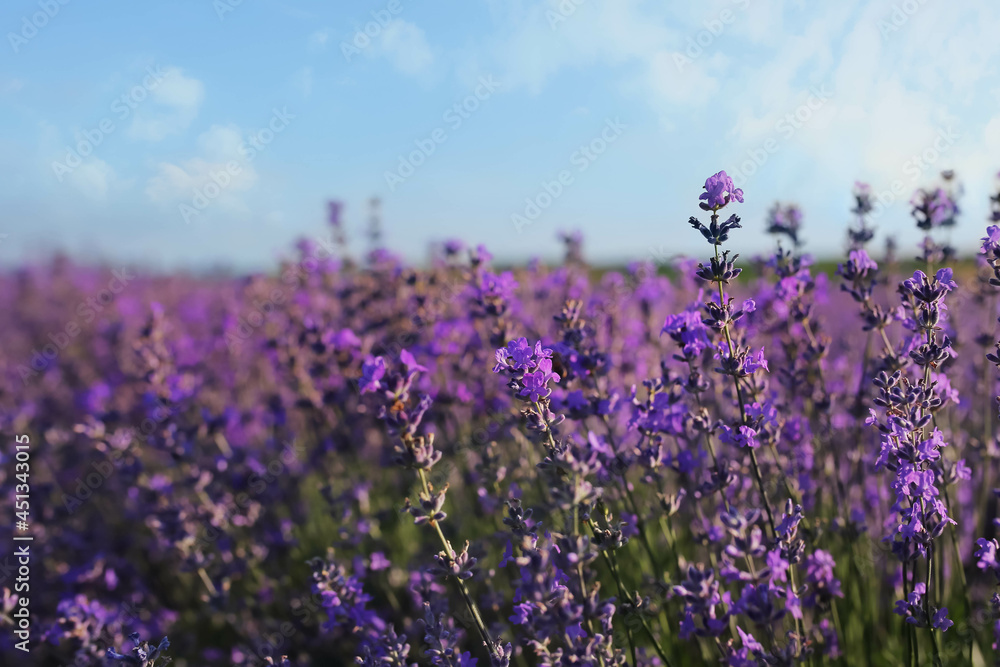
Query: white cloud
[318,40]
[221,142]
[405,46]
[532,47]
[93,179]
[218,147]
[889,98]
[673,79]
[894,93]
[172,105]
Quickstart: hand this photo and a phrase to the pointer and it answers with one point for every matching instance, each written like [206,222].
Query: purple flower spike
[719,191]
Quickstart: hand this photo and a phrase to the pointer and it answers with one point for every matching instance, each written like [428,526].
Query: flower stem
[743,414]
[927,604]
[611,562]
[640,524]
[463,589]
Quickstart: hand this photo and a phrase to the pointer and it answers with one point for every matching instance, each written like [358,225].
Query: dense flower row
[457,465]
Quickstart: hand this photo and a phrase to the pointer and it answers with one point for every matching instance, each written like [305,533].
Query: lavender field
[356,460]
[499,333]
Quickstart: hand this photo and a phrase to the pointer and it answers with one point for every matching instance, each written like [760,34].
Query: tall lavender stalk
[735,362]
[988,549]
[403,417]
[912,448]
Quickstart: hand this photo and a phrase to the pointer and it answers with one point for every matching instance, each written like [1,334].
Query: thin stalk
[640,524]
[798,621]
[631,646]
[576,533]
[582,580]
[708,439]
[906,626]
[613,566]
[208,582]
[784,478]
[621,591]
[836,620]
[927,604]
[959,565]
[469,602]
[987,483]
[743,414]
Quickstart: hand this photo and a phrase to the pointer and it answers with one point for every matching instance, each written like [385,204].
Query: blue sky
[197,132]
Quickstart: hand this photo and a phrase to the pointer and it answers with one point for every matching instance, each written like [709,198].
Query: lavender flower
[719,191]
[142,653]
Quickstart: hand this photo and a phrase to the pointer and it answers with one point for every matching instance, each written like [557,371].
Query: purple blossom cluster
[359,461]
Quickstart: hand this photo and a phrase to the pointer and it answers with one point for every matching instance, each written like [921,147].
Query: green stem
[906,626]
[582,581]
[708,441]
[640,524]
[927,604]
[959,565]
[463,589]
[576,531]
[743,414]
[611,562]
[798,621]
